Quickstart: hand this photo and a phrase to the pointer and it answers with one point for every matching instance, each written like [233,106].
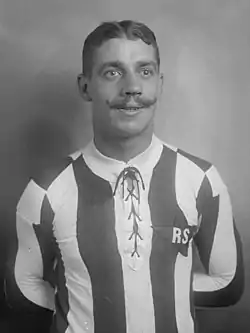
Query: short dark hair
[129,29]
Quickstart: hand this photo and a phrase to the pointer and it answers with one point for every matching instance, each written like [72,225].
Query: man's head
[121,77]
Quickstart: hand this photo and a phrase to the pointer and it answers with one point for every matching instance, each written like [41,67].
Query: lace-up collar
[109,168]
[133,177]
[130,180]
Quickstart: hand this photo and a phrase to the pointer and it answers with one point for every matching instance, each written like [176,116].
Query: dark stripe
[45,176]
[191,294]
[45,238]
[162,202]
[208,209]
[98,247]
[202,164]
[50,250]
[233,291]
[29,321]
[60,322]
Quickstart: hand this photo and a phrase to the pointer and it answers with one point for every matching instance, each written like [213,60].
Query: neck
[123,149]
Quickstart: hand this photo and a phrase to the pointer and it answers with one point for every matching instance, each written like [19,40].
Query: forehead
[125,51]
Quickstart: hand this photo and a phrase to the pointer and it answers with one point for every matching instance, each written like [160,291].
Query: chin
[127,132]
[126,125]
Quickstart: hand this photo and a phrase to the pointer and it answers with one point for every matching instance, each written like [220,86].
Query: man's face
[124,87]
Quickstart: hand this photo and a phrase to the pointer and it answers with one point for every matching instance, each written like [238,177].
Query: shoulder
[194,161]
[50,182]
[194,171]
[45,177]
[185,158]
[211,175]
[201,172]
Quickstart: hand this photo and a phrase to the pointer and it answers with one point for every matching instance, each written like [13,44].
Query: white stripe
[136,274]
[223,258]
[29,266]
[188,178]
[187,183]
[80,316]
[215,180]
[182,277]
[30,203]
[59,187]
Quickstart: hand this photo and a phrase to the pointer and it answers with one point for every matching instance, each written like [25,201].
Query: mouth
[131,110]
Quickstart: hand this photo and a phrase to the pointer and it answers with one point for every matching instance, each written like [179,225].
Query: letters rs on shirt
[180,236]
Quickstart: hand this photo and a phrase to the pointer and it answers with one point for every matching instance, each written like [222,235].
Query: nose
[131,86]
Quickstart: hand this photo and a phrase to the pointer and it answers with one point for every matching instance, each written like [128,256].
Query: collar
[109,168]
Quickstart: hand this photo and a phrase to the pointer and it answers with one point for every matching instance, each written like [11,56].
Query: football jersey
[120,239]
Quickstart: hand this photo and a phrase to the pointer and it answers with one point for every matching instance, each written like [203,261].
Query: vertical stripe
[162,203]
[208,209]
[98,247]
[137,280]
[74,295]
[189,176]
[182,292]
[45,238]
[60,322]
[191,291]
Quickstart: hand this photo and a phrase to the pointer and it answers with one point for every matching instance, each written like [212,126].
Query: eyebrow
[119,64]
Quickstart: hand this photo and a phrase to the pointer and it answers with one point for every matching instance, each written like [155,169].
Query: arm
[27,288]
[219,246]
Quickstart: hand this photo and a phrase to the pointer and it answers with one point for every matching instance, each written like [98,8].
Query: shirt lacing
[133,177]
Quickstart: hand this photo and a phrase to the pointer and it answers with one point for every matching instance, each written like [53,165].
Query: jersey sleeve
[28,284]
[219,246]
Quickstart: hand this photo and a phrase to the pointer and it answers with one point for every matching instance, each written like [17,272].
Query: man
[118,221]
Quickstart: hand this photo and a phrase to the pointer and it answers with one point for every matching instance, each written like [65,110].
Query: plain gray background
[205,54]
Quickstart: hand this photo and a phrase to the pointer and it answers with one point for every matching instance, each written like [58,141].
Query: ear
[160,87]
[161,82]
[83,84]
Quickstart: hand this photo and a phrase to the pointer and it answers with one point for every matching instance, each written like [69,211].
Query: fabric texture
[108,246]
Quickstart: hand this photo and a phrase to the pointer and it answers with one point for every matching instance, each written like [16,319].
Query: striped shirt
[120,238]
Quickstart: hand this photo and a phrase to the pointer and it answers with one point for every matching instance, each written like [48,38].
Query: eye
[111,74]
[147,72]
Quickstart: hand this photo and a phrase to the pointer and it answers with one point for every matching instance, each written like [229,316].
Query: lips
[129,107]
[133,108]
[130,111]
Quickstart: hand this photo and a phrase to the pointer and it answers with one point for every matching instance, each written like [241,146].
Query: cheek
[105,91]
[150,88]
